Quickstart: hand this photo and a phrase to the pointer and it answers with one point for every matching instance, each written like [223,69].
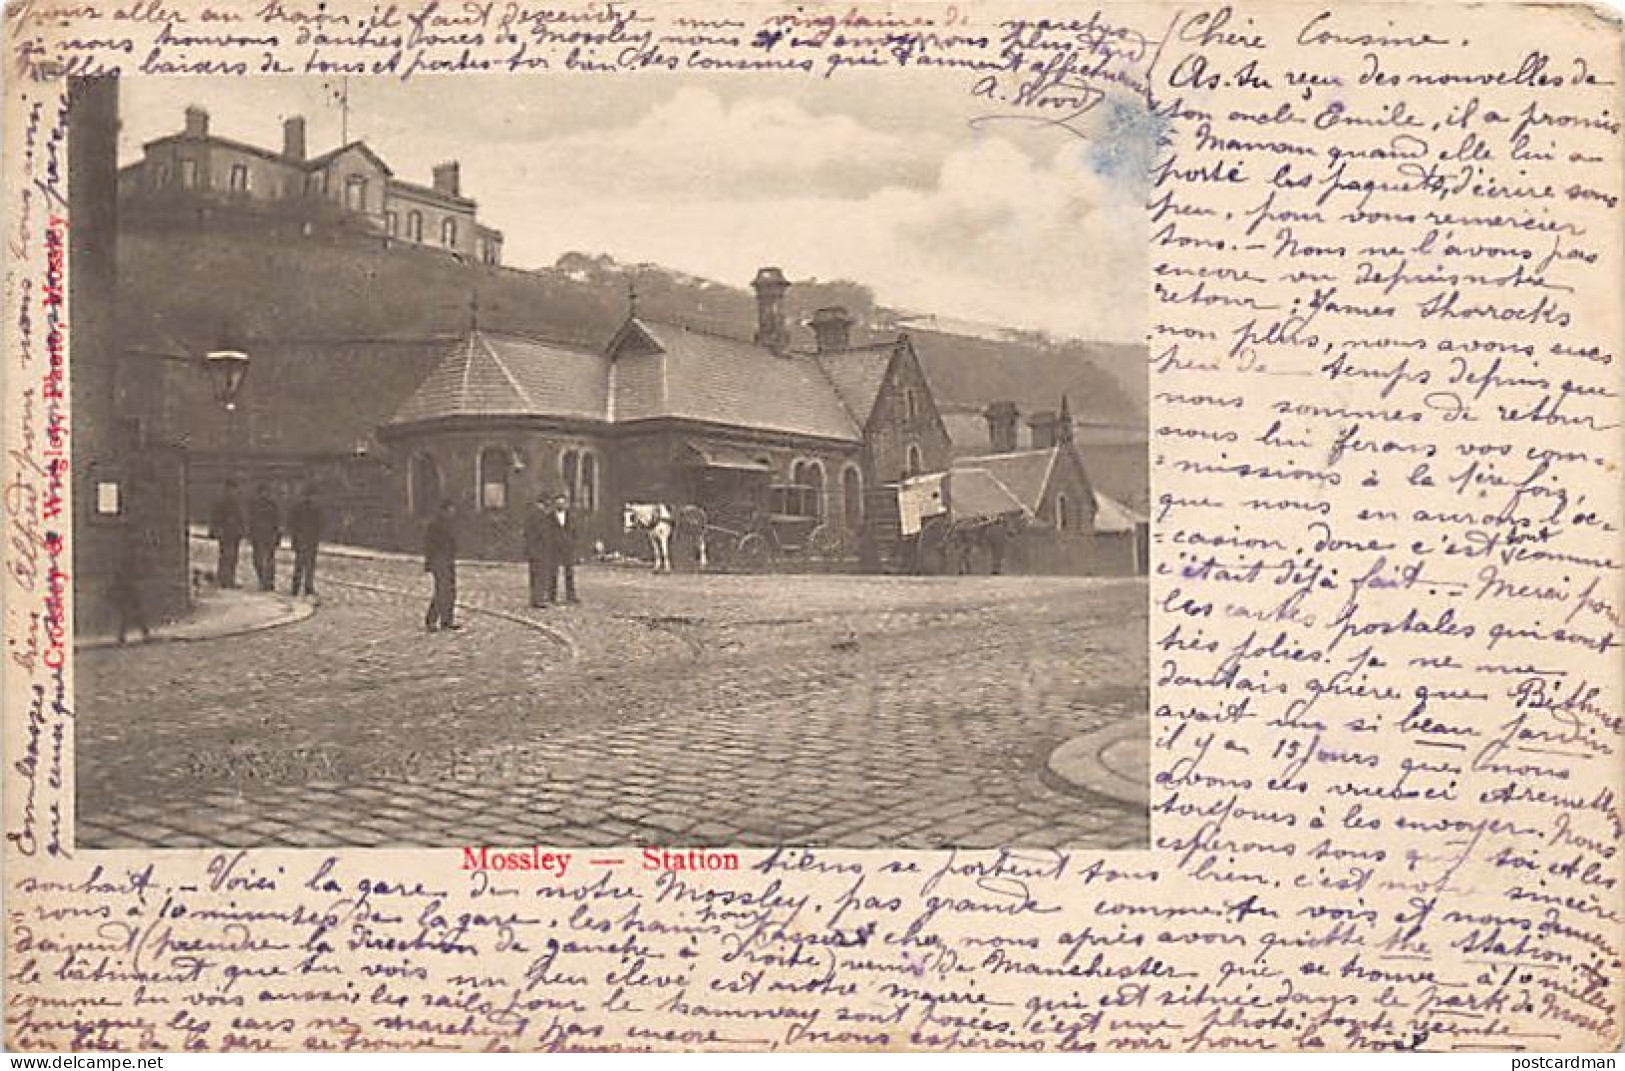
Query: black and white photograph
[670,461]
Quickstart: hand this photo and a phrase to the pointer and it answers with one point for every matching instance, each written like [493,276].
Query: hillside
[245,280]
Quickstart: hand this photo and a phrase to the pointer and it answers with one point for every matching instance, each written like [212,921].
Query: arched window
[496,464]
[915,464]
[1063,513]
[570,473]
[448,232]
[414,226]
[852,496]
[422,485]
[587,500]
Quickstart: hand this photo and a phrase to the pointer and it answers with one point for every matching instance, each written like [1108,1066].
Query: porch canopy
[706,455]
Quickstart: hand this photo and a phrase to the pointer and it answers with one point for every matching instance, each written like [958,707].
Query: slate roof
[1112,516]
[1024,473]
[978,493]
[697,375]
[858,374]
[657,371]
[497,375]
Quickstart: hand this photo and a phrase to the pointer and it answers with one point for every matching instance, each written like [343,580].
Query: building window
[578,479]
[422,486]
[911,405]
[448,232]
[805,498]
[1063,513]
[392,224]
[188,174]
[569,473]
[587,501]
[852,496]
[414,225]
[160,176]
[238,182]
[915,464]
[496,464]
[355,193]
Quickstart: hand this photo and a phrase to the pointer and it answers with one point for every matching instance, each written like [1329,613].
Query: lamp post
[227,369]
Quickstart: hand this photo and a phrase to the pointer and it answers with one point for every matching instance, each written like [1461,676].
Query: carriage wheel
[825,541]
[751,551]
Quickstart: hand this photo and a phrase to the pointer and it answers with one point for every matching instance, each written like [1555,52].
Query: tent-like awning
[721,456]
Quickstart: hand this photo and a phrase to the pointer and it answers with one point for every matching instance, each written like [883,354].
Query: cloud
[1050,244]
[695,143]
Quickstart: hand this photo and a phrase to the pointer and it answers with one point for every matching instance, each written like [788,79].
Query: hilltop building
[351,181]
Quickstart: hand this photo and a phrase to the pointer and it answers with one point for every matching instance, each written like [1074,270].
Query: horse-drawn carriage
[944,522]
[746,534]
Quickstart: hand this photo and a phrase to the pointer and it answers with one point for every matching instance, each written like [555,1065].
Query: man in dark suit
[226,525]
[559,532]
[305,532]
[538,552]
[440,561]
[264,534]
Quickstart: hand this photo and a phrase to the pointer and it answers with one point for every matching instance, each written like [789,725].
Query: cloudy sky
[886,184]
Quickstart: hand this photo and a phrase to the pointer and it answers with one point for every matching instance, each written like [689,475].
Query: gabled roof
[429,193]
[978,493]
[1112,516]
[858,374]
[665,370]
[1025,473]
[489,375]
[321,161]
[239,146]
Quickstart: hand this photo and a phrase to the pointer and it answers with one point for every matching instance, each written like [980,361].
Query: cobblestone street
[845,711]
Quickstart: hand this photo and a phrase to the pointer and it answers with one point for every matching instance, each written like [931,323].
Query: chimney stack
[1001,426]
[197,122]
[770,285]
[832,326]
[448,179]
[293,138]
[1044,427]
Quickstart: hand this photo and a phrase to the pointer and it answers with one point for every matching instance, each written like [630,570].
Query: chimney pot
[770,285]
[1044,427]
[197,122]
[1001,420]
[448,179]
[832,326]
[293,137]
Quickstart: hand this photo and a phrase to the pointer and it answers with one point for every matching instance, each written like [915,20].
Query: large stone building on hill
[351,181]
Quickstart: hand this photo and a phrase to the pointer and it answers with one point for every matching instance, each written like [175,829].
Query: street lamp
[227,369]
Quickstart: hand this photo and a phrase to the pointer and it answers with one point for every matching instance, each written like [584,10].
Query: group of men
[262,522]
[550,549]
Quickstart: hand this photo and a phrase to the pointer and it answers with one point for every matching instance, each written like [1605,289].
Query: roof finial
[631,296]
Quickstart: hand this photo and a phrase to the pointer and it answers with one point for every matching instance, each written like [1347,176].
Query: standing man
[305,531]
[538,543]
[440,561]
[226,525]
[560,529]
[264,534]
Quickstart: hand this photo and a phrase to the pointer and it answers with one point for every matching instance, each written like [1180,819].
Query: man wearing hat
[550,545]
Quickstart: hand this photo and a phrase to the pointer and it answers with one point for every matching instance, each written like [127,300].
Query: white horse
[657,521]
[660,523]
